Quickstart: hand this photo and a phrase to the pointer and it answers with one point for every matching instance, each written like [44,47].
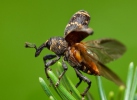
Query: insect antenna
[38,50]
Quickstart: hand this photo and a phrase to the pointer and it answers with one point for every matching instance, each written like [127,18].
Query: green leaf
[46,89]
[129,81]
[60,88]
[101,90]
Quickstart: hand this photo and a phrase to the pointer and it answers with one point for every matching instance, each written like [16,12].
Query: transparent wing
[89,60]
[77,28]
[109,74]
[105,50]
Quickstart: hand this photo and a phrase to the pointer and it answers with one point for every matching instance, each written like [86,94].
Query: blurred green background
[37,20]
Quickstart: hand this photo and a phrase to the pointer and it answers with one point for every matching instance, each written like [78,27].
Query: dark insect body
[88,57]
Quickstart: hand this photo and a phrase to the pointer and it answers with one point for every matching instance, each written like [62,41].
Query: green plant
[63,89]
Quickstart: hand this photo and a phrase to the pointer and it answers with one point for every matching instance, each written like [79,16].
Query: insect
[88,57]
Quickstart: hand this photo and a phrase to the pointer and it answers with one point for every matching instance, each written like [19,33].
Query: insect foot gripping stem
[50,62]
[85,79]
[61,75]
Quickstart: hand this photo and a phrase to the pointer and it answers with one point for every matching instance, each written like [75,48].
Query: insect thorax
[58,45]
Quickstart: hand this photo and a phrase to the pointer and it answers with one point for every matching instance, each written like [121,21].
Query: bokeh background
[37,20]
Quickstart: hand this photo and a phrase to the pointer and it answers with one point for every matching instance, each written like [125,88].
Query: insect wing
[77,28]
[109,74]
[104,71]
[105,50]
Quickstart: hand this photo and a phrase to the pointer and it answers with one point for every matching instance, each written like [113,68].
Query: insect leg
[80,80]
[84,79]
[50,62]
[65,69]
[48,57]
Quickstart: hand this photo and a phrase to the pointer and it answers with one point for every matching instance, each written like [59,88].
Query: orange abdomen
[87,65]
